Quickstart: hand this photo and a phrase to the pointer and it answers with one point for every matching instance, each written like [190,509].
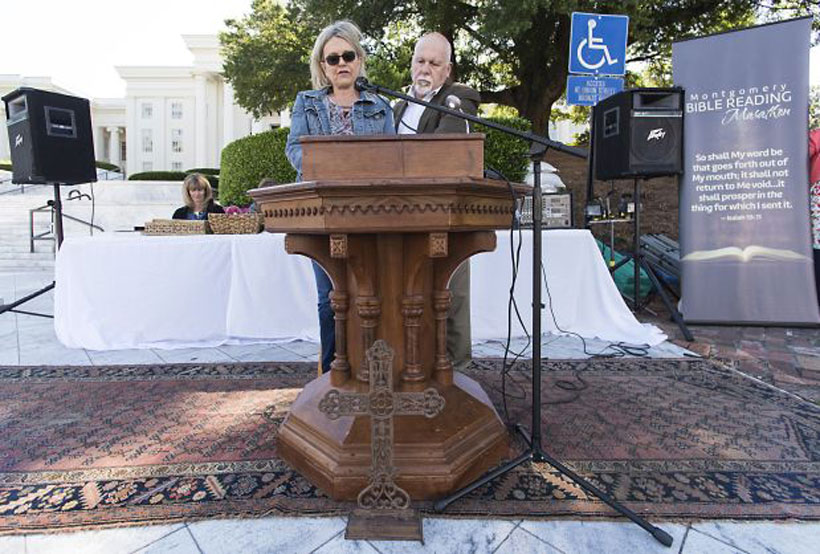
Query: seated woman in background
[199,199]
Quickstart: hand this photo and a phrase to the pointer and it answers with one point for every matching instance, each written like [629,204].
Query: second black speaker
[639,133]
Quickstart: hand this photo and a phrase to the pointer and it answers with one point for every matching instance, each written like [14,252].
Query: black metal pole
[590,166]
[537,217]
[58,216]
[636,246]
[58,232]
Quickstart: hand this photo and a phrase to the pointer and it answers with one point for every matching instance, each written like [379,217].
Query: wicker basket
[236,224]
[176,227]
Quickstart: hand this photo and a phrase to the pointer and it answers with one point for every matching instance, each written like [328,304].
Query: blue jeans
[327,325]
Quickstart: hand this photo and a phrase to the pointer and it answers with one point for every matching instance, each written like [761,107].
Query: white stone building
[171,119]
[175,118]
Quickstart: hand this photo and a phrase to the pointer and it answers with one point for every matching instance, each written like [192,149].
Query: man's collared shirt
[409,123]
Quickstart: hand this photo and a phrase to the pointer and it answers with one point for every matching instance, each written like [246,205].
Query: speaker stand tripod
[534,451]
[639,262]
[58,234]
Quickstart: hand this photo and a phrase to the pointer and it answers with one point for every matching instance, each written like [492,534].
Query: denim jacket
[372,115]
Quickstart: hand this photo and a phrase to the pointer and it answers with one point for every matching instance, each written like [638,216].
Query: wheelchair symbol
[593,43]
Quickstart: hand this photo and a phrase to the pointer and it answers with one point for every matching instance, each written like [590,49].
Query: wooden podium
[390,218]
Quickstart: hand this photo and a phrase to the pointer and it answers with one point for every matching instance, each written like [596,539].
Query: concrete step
[14,247]
[25,256]
[22,267]
[7,269]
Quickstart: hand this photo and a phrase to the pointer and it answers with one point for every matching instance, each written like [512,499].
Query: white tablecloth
[130,291]
[584,297]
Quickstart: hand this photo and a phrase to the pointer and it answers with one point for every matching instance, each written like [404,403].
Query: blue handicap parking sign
[586,90]
[597,43]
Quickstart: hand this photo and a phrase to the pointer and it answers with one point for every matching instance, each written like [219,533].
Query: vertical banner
[744,211]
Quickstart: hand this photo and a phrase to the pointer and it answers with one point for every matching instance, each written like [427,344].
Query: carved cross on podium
[382,499]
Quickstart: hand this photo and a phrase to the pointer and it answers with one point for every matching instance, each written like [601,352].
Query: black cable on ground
[620,349]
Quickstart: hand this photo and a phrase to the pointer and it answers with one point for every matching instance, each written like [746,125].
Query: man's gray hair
[345,30]
[448,48]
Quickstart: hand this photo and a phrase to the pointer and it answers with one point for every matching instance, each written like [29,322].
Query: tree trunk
[542,70]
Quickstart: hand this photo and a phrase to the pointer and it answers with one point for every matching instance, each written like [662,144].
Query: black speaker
[49,137]
[639,133]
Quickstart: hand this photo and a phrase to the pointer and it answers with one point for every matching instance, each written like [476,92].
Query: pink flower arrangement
[237,210]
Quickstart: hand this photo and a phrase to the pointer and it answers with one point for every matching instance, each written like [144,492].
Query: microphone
[362,84]
[454,103]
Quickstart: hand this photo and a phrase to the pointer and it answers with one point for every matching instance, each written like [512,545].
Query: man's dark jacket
[433,121]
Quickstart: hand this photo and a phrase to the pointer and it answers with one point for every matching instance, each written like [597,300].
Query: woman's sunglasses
[348,57]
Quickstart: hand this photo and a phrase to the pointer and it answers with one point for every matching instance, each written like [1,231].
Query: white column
[227,114]
[201,121]
[97,139]
[133,148]
[114,145]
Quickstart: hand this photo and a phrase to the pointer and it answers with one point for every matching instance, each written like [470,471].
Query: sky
[77,43]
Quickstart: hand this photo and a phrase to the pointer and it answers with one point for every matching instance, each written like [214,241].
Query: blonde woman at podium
[335,107]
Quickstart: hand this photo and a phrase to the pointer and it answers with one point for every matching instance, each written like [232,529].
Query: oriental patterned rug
[119,445]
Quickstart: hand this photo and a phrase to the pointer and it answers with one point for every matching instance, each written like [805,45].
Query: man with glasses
[430,71]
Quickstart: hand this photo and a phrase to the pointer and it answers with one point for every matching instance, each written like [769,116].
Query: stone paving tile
[178,542]
[123,357]
[52,354]
[454,536]
[9,357]
[302,347]
[522,541]
[698,543]
[13,545]
[612,537]
[278,354]
[270,534]
[188,355]
[765,537]
[340,545]
[103,541]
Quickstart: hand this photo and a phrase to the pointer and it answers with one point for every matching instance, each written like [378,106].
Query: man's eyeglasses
[348,57]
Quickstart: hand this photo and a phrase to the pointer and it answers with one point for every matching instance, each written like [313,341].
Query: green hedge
[5,166]
[105,165]
[245,162]
[204,170]
[172,176]
[158,176]
[503,152]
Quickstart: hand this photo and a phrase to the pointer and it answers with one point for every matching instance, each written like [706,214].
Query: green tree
[514,52]
[266,57]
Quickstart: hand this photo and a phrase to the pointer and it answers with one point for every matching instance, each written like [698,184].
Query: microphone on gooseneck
[454,103]
[362,84]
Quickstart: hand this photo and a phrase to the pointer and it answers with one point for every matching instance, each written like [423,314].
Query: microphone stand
[539,146]
[57,207]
